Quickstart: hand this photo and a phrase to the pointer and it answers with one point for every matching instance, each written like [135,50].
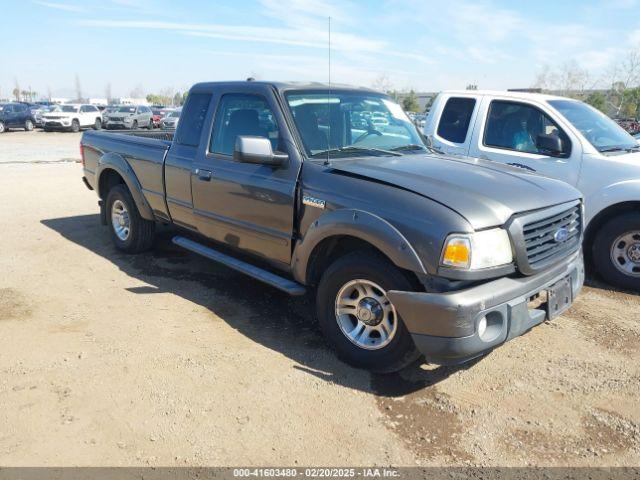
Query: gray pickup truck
[409,252]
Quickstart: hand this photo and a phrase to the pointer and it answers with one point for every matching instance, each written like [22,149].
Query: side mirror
[549,143]
[257,150]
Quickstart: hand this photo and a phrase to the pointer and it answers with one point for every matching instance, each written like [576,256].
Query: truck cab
[559,138]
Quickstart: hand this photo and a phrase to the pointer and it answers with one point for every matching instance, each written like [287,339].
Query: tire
[97,124]
[150,126]
[2,127]
[28,125]
[391,354]
[47,129]
[616,251]
[134,125]
[75,126]
[139,236]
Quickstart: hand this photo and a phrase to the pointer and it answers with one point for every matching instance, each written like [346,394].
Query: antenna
[329,100]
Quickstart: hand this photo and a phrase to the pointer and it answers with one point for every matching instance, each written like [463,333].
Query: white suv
[72,117]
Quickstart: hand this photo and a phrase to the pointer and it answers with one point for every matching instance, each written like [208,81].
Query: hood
[485,193]
[59,114]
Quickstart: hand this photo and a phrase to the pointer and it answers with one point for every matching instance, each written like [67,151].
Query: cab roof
[282,86]
[506,94]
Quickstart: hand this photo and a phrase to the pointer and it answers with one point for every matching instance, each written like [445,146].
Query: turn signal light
[457,253]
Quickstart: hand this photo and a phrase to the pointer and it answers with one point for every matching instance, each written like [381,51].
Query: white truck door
[452,122]
[86,116]
[507,131]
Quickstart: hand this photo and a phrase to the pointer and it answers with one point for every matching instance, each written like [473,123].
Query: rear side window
[192,119]
[455,119]
[242,114]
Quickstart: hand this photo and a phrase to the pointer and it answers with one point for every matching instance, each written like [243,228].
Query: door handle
[204,175]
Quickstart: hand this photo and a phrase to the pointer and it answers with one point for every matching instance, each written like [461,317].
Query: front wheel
[616,251]
[358,319]
[134,125]
[98,124]
[75,126]
[2,127]
[28,125]
[130,232]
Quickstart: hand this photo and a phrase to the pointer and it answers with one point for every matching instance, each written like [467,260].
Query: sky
[427,45]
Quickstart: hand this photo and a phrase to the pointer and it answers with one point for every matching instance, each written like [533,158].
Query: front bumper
[444,326]
[57,123]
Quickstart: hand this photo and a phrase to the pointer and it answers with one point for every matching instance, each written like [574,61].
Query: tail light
[82,154]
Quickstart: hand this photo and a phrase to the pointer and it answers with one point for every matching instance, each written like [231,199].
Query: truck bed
[142,151]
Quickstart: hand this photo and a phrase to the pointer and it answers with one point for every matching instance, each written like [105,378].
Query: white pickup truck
[560,138]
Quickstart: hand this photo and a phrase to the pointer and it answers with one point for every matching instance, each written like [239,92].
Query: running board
[286,285]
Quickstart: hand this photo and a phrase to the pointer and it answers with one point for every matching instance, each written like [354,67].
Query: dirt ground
[166,359]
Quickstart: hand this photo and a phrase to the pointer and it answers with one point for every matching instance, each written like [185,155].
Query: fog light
[482,326]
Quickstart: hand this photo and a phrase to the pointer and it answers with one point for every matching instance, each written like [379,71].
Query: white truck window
[516,126]
[455,119]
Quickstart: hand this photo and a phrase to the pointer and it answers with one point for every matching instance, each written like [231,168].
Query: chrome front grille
[551,238]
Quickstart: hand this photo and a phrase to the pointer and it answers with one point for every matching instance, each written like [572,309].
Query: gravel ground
[166,359]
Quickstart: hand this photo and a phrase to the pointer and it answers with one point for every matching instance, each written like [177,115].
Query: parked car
[72,117]
[130,117]
[16,115]
[37,111]
[157,114]
[170,122]
[408,251]
[563,139]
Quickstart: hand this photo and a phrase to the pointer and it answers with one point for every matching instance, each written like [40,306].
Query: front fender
[616,193]
[113,161]
[360,224]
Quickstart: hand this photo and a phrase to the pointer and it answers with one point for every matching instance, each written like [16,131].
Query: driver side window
[516,126]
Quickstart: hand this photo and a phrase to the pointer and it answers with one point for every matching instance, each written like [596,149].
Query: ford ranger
[305,187]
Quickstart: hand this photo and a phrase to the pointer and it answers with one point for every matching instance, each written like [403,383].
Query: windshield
[347,123]
[65,108]
[174,115]
[602,132]
[127,109]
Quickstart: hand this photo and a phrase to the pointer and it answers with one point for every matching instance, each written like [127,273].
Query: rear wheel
[616,251]
[75,126]
[358,319]
[130,232]
[28,125]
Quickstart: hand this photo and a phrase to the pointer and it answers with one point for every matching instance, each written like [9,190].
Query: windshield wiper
[619,149]
[354,149]
[411,146]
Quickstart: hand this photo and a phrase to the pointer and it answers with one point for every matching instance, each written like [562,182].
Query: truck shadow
[275,320]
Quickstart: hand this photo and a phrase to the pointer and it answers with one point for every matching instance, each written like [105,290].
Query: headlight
[474,251]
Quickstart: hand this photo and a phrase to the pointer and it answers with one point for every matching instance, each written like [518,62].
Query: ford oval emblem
[561,235]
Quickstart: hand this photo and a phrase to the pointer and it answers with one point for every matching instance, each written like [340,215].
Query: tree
[137,92]
[16,90]
[382,84]
[410,102]
[597,100]
[78,89]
